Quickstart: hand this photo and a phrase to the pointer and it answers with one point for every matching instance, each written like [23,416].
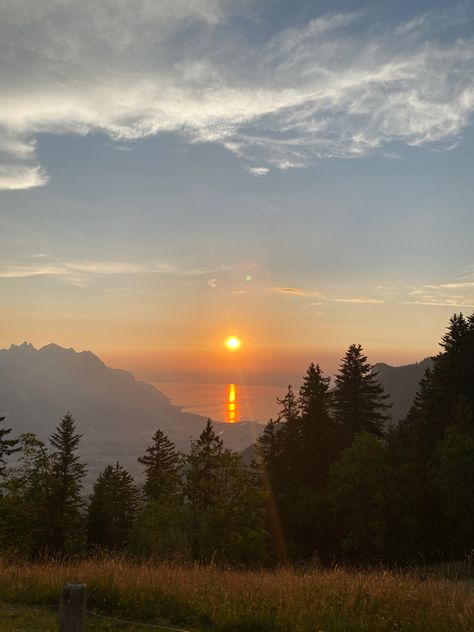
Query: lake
[225,402]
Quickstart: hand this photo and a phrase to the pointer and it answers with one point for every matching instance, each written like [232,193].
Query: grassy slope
[22,618]
[232,601]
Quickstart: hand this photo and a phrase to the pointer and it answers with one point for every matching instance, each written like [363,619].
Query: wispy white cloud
[450,286]
[136,68]
[359,300]
[294,291]
[456,294]
[445,303]
[325,298]
[80,273]
[258,171]
[18,176]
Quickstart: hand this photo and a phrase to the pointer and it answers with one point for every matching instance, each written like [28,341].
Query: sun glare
[232,343]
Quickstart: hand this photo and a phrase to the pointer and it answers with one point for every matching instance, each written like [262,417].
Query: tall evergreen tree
[224,503]
[66,524]
[429,436]
[268,452]
[320,438]
[318,429]
[281,456]
[162,467]
[159,530]
[112,508]
[449,382]
[359,400]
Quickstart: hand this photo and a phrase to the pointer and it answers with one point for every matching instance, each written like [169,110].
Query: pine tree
[320,438]
[432,442]
[290,442]
[162,467]
[112,508]
[281,454]
[201,484]
[319,431]
[314,397]
[225,506]
[449,382]
[67,472]
[268,450]
[359,399]
[289,410]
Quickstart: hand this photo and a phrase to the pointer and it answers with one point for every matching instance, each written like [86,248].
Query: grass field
[21,618]
[209,598]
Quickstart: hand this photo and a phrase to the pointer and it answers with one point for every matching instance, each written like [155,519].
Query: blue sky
[296,172]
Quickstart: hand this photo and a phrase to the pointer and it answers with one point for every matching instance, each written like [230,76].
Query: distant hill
[116,413]
[401,383]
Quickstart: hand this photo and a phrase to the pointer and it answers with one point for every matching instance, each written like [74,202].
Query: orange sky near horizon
[208,353]
[281,332]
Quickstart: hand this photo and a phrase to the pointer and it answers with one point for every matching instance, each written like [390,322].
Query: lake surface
[225,402]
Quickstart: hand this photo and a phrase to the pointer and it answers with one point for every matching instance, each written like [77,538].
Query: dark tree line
[204,506]
[343,483]
[333,479]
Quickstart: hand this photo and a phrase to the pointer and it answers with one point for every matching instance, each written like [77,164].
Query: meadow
[210,598]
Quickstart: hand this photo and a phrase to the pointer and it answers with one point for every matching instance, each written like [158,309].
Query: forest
[333,480]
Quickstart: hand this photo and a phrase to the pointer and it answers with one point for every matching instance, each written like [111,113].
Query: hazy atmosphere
[237,315]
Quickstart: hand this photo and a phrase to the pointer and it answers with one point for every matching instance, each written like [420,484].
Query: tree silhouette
[162,467]
[66,533]
[112,508]
[359,399]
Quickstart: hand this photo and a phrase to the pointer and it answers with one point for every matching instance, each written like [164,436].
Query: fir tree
[268,448]
[65,502]
[162,467]
[289,410]
[112,508]
[359,399]
[281,454]
[319,445]
[318,429]
[225,506]
[290,440]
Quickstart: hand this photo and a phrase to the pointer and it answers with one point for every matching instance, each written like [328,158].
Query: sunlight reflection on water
[232,409]
[254,402]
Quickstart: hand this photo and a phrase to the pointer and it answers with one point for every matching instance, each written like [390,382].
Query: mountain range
[117,414]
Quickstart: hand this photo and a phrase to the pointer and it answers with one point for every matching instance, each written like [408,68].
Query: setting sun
[232,343]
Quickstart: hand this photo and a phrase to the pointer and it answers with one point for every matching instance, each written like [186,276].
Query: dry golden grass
[227,600]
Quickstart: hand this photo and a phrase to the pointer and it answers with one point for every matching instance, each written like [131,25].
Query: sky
[296,173]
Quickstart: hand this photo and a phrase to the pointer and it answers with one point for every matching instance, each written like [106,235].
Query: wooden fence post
[72,608]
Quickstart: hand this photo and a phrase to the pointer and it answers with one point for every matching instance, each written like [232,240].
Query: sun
[232,343]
